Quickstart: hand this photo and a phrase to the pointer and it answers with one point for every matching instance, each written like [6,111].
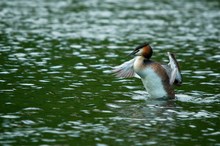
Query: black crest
[141,46]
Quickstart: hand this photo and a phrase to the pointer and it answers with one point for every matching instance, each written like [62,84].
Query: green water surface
[56,86]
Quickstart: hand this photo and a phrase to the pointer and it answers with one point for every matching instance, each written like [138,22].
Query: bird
[158,79]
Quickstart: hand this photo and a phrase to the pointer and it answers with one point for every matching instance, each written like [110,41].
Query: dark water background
[55,81]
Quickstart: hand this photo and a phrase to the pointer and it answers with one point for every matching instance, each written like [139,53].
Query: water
[55,81]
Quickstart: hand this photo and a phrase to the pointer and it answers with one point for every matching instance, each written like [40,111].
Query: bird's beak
[133,53]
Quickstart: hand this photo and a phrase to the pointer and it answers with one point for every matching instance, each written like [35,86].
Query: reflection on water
[55,80]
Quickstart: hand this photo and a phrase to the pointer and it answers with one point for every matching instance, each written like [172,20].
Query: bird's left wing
[176,77]
[125,70]
[173,71]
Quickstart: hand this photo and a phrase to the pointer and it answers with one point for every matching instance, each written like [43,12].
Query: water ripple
[56,81]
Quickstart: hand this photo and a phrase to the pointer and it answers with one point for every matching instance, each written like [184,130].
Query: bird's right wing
[125,70]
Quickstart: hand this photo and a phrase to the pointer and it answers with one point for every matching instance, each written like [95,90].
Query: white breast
[152,83]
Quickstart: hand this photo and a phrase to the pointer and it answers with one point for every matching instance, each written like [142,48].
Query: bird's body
[157,79]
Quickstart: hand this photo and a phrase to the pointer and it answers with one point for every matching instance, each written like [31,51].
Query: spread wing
[173,70]
[125,70]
